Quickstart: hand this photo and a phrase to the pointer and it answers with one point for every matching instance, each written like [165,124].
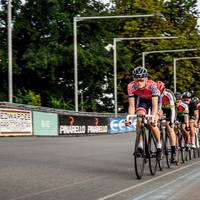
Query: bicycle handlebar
[142,116]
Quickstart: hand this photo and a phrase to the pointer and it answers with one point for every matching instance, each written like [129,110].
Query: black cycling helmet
[195,100]
[178,95]
[139,72]
[186,95]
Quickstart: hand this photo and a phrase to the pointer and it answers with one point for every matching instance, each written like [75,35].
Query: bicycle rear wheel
[153,161]
[139,156]
[193,152]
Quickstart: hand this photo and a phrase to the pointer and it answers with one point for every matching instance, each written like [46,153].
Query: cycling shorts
[170,115]
[181,119]
[146,104]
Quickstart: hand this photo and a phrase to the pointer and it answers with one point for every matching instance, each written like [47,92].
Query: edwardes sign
[15,122]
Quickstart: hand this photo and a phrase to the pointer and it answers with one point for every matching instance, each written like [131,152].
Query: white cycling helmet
[139,72]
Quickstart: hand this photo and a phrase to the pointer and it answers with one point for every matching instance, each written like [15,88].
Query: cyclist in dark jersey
[194,117]
[198,124]
[198,107]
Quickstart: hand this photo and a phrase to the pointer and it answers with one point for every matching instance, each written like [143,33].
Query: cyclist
[194,117]
[168,108]
[148,97]
[198,125]
[178,97]
[183,116]
[198,107]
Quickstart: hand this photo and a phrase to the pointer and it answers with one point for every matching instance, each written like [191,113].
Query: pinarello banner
[14,122]
[81,125]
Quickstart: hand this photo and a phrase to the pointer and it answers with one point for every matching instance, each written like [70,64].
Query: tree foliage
[43,67]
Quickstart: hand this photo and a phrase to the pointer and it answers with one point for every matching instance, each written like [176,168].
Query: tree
[3,45]
[180,20]
[43,50]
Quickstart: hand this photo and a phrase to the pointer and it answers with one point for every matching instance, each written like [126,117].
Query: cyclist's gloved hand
[154,121]
[127,123]
[177,122]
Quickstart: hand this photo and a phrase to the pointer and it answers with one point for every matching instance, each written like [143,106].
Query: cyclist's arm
[196,114]
[131,107]
[154,105]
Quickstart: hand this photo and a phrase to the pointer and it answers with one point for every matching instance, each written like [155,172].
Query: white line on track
[145,182]
[165,185]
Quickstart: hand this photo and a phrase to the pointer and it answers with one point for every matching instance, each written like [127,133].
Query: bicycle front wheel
[153,162]
[139,155]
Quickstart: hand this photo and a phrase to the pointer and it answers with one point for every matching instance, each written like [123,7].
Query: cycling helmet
[178,95]
[186,95]
[195,100]
[139,72]
[160,86]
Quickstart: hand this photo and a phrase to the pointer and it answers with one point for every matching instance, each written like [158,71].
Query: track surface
[87,168]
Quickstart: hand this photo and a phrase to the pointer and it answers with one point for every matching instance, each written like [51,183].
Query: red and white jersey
[198,106]
[182,108]
[147,92]
[168,99]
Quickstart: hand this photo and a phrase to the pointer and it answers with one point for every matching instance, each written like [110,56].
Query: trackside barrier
[82,125]
[15,122]
[116,125]
[45,124]
[44,121]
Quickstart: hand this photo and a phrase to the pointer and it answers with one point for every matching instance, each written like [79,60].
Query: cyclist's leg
[155,129]
[172,139]
[192,133]
[185,134]
[156,132]
[170,118]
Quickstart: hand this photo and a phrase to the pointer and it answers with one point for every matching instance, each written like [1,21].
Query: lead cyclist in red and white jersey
[148,97]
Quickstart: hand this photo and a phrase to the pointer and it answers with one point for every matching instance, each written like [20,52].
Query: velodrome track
[87,168]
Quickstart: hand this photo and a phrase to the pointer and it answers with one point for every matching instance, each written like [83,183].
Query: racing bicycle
[149,150]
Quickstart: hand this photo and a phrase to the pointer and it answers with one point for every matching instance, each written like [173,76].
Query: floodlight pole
[115,40]
[165,51]
[77,19]
[174,64]
[10,73]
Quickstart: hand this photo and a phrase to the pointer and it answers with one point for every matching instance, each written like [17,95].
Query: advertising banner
[45,124]
[75,125]
[116,125]
[15,122]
